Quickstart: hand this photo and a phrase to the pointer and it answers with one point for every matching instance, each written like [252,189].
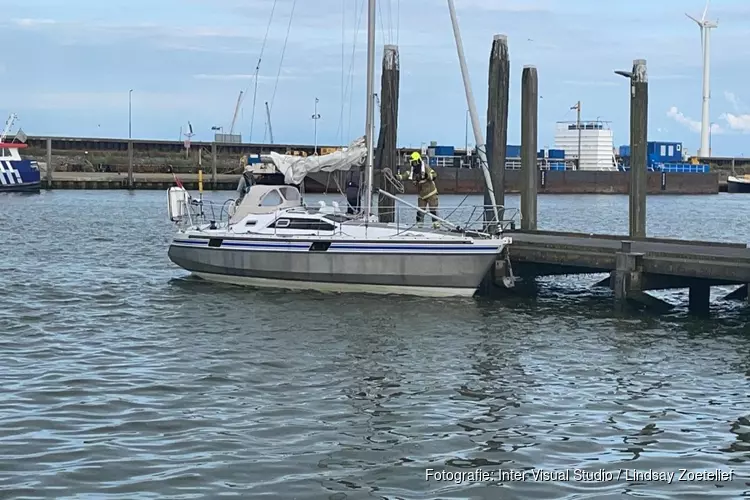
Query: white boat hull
[434,269]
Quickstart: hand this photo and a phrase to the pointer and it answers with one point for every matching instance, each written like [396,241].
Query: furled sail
[296,168]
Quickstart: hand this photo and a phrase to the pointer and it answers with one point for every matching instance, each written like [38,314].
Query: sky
[68,67]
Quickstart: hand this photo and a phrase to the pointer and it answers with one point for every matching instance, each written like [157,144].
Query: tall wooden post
[130,164]
[386,154]
[497,120]
[213,166]
[638,148]
[48,174]
[529,165]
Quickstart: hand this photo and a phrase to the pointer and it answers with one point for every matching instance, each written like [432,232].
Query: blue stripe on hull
[442,248]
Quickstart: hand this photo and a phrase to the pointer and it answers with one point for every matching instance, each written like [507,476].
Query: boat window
[251,222]
[304,224]
[271,199]
[289,193]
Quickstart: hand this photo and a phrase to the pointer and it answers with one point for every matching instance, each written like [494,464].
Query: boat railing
[198,211]
[478,219]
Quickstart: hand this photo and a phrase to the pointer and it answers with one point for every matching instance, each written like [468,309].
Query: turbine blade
[705,11]
[693,19]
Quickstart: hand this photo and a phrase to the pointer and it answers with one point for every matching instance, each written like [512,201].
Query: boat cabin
[266,199]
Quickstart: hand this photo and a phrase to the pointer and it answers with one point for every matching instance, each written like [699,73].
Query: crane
[236,111]
[268,116]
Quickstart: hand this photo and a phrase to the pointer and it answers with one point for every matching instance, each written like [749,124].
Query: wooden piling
[386,153]
[638,148]
[130,164]
[213,166]
[529,167]
[497,121]
[48,173]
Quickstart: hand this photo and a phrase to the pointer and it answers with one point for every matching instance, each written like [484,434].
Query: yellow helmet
[415,156]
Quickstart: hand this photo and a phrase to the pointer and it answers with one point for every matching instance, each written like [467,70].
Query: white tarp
[296,168]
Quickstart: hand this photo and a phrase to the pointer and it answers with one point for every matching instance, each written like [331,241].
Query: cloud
[740,123]
[693,125]
[32,23]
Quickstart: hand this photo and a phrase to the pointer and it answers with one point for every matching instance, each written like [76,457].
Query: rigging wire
[340,131]
[257,68]
[281,63]
[358,20]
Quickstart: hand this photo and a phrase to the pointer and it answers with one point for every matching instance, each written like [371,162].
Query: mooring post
[699,299]
[213,166]
[627,277]
[638,148]
[386,154]
[529,168]
[48,173]
[497,122]
[130,164]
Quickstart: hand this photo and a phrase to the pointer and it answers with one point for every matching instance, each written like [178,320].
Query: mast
[369,121]
[478,137]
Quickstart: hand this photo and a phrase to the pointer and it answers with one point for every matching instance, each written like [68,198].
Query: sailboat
[273,239]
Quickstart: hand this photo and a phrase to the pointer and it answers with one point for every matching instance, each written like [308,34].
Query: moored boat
[738,184]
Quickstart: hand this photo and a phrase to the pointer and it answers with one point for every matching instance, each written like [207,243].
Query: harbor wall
[462,181]
[75,168]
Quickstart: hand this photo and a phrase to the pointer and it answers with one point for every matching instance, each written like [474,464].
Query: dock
[635,263]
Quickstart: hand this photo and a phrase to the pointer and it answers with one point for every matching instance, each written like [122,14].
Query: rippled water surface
[122,378]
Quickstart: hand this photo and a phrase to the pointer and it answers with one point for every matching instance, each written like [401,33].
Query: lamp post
[130,114]
[316,117]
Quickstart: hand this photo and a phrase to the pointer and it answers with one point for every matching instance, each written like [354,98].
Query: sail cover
[296,168]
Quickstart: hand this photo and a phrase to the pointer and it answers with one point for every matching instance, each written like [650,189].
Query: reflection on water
[123,377]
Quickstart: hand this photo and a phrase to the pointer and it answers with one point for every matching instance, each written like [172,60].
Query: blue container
[513,151]
[666,151]
[445,151]
[541,154]
[624,151]
[556,153]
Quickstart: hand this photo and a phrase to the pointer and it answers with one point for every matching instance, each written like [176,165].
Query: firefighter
[423,178]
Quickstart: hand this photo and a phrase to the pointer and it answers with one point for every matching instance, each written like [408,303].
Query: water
[124,379]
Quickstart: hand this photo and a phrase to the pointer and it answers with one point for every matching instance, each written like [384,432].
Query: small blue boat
[16,174]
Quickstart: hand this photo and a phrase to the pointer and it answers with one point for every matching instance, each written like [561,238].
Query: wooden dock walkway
[635,265]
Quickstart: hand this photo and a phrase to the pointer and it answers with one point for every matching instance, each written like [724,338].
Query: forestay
[296,168]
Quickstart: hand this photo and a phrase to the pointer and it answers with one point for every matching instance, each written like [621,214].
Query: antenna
[705,27]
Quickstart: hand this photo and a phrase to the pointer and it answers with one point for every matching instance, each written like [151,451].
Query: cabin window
[271,199]
[303,224]
[251,222]
[290,193]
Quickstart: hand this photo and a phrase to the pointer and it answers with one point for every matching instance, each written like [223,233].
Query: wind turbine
[706,27]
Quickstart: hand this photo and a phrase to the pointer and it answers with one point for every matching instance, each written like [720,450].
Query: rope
[257,68]
[281,62]
[393,180]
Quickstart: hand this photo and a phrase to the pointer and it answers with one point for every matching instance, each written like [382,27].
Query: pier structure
[634,262]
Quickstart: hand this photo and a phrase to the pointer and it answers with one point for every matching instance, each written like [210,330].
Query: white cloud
[32,23]
[694,125]
[740,123]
